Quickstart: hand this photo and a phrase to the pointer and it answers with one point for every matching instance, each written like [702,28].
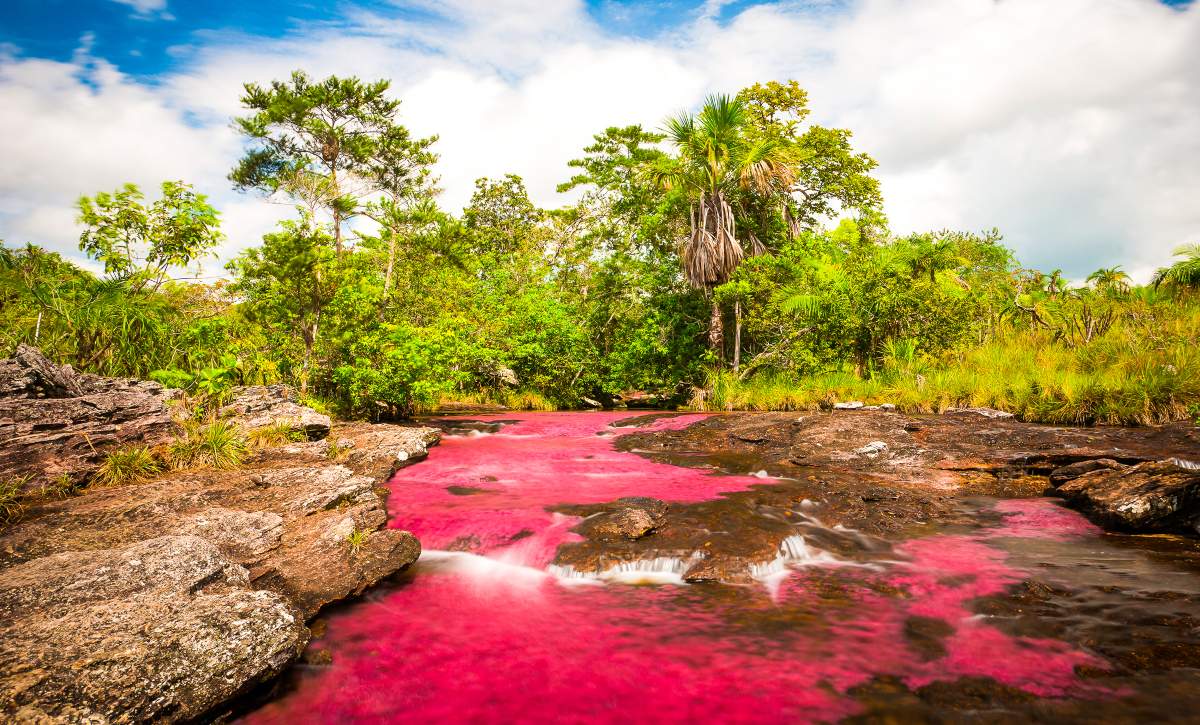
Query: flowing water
[1030,613]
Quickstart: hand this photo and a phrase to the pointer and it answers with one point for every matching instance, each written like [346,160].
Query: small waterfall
[793,550]
[659,570]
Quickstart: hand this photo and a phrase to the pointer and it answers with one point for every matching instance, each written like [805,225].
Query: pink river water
[494,637]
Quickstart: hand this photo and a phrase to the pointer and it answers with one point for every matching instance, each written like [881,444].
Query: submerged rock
[1156,496]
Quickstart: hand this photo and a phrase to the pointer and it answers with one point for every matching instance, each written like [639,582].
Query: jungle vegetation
[735,258]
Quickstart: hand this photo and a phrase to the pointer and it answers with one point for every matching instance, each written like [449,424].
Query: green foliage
[127,466]
[714,266]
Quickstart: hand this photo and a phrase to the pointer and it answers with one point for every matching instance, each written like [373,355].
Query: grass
[61,486]
[127,466]
[276,434]
[220,445]
[1132,376]
[357,539]
[11,490]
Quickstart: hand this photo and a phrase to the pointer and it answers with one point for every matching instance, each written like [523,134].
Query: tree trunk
[716,331]
[737,335]
[387,278]
[337,215]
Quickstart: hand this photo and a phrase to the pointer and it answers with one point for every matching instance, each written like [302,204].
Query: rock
[381,450]
[985,412]
[164,629]
[589,403]
[1155,496]
[629,518]
[259,406]
[29,374]
[56,424]
[852,405]
[242,535]
[888,407]
[1072,471]
[871,449]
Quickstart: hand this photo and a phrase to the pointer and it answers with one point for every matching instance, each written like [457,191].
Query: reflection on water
[1030,613]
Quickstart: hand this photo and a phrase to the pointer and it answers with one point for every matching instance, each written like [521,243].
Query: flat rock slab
[163,629]
[1156,496]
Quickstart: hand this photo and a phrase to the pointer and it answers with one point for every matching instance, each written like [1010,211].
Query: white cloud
[147,8]
[1073,126]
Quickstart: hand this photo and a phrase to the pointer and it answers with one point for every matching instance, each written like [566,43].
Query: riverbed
[992,607]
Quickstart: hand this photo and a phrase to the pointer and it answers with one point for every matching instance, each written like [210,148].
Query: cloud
[147,8]
[1072,126]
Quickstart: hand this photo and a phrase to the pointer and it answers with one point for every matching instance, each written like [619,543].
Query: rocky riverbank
[874,476]
[164,600]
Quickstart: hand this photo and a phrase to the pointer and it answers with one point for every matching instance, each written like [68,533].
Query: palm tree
[716,160]
[1110,279]
[1184,274]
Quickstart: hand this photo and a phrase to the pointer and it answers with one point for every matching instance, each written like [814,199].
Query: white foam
[481,567]
[659,570]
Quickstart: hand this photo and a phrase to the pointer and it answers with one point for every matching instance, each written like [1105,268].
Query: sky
[1073,126]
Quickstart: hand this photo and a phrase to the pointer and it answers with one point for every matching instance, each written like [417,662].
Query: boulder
[851,405]
[259,406]
[161,630]
[57,425]
[1154,496]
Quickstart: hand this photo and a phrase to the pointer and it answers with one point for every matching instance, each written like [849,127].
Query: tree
[825,175]
[314,141]
[716,159]
[1110,279]
[1182,275]
[399,168]
[288,283]
[139,245]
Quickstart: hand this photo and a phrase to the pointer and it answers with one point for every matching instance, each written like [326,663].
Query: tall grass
[1134,375]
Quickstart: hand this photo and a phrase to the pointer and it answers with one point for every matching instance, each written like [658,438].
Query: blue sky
[1072,125]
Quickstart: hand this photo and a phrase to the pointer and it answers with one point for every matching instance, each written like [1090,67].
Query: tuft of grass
[220,444]
[276,434]
[127,466]
[61,486]
[11,490]
[357,540]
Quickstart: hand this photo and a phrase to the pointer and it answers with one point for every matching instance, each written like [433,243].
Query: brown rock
[1072,471]
[259,406]
[56,423]
[1156,496]
[163,629]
